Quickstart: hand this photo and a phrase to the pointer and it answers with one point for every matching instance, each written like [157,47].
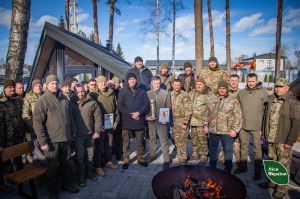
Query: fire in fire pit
[194,181]
[196,189]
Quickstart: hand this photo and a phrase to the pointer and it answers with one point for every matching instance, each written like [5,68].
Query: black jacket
[143,78]
[129,102]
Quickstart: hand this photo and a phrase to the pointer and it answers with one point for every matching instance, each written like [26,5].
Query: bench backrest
[15,151]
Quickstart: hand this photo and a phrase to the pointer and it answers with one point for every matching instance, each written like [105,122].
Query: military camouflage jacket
[28,107]
[12,120]
[212,78]
[224,115]
[233,93]
[199,107]
[181,107]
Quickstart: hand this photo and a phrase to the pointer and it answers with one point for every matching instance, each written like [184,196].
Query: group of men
[98,118]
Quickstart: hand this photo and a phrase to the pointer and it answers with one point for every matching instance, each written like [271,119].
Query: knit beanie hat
[223,84]
[130,75]
[73,79]
[66,83]
[187,64]
[101,78]
[51,78]
[138,58]
[115,79]
[213,59]
[200,79]
[164,65]
[8,83]
[35,82]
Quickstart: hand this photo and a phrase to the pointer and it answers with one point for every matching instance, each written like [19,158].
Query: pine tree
[61,22]
[243,77]
[119,51]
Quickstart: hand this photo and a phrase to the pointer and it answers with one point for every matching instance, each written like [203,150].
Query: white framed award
[164,115]
[108,120]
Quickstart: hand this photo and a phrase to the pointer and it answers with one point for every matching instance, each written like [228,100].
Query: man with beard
[213,74]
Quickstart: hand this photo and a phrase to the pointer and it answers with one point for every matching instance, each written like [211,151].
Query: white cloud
[290,21]
[86,29]
[5,16]
[218,19]
[120,26]
[36,26]
[82,16]
[247,22]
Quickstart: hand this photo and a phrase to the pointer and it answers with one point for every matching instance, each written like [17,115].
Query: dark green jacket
[253,103]
[52,119]
[87,116]
[107,102]
[289,119]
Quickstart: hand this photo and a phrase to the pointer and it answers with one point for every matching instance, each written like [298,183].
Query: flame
[206,189]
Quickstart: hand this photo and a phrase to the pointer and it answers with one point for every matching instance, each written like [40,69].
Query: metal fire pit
[164,183]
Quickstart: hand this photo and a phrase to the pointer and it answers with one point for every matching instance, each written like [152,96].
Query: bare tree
[211,32]
[67,10]
[278,40]
[198,35]
[95,20]
[19,26]
[228,49]
[157,35]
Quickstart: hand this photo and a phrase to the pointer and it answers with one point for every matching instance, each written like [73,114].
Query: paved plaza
[135,183]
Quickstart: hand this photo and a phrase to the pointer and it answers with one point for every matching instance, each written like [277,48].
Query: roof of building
[263,56]
[93,52]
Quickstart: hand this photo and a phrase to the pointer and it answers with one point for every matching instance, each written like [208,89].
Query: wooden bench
[29,173]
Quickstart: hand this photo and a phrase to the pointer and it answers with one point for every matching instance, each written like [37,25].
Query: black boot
[241,168]
[257,169]
[228,166]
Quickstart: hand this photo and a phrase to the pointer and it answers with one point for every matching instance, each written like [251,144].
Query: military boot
[257,169]
[100,171]
[267,184]
[242,167]
[278,194]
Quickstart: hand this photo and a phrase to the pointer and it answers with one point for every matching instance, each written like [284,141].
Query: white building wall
[267,64]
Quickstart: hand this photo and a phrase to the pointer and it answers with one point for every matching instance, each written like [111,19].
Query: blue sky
[253,26]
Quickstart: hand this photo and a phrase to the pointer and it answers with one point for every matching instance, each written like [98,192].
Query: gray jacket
[87,116]
[253,103]
[52,120]
[162,99]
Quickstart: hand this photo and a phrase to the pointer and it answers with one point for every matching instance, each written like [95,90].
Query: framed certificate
[108,120]
[164,115]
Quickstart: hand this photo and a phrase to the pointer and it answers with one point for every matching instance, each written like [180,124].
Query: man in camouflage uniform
[281,127]
[213,74]
[199,120]
[166,78]
[3,187]
[28,106]
[12,118]
[182,112]
[224,122]
[233,91]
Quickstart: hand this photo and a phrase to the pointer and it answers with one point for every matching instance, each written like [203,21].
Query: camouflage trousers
[278,153]
[180,137]
[200,144]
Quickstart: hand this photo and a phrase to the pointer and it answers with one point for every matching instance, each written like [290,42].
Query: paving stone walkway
[135,183]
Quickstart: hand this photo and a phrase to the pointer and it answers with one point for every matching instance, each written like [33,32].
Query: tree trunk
[20,18]
[228,50]
[67,9]
[157,35]
[211,32]
[198,36]
[174,37]
[95,19]
[278,40]
[111,22]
